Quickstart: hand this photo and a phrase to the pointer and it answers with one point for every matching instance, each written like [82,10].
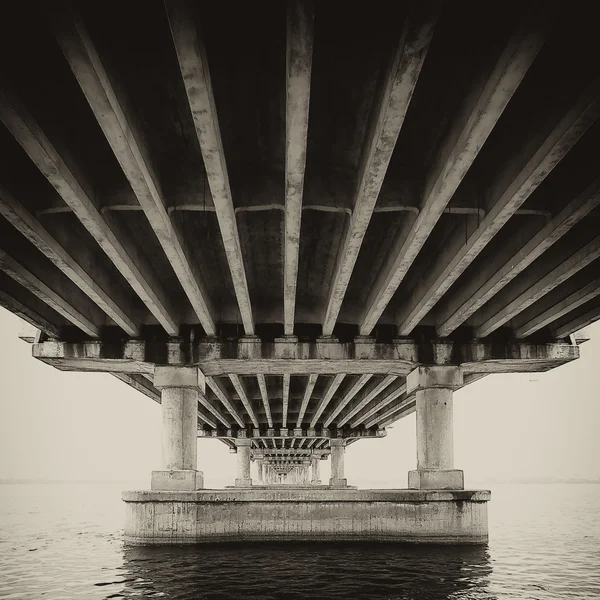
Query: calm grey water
[64,541]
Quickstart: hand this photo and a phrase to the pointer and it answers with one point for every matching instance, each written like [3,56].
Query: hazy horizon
[58,425]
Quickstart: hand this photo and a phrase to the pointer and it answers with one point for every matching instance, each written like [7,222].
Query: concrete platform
[208,516]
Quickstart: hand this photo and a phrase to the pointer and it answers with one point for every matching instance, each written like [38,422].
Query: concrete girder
[515,184]
[122,252]
[460,308]
[285,397]
[196,78]
[569,304]
[262,384]
[310,386]
[334,384]
[221,394]
[395,97]
[104,294]
[379,404]
[358,385]
[483,109]
[300,18]
[38,288]
[572,324]
[141,384]
[278,438]
[241,392]
[132,155]
[375,391]
[29,314]
[495,316]
[478,356]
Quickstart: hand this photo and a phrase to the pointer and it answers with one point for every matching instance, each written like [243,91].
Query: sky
[90,426]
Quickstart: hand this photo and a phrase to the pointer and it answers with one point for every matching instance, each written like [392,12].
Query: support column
[243,462]
[315,464]
[259,465]
[337,463]
[179,387]
[305,472]
[434,387]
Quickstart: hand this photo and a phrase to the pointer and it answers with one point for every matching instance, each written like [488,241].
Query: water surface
[64,541]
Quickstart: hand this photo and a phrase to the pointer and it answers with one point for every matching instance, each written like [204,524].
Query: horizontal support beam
[261,452]
[278,434]
[474,357]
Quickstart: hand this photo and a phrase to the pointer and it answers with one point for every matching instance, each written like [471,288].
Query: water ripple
[63,542]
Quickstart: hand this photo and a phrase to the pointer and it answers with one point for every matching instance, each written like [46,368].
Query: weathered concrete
[338,450]
[243,478]
[458,517]
[435,442]
[179,388]
[316,477]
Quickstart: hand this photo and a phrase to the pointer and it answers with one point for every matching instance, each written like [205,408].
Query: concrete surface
[414,516]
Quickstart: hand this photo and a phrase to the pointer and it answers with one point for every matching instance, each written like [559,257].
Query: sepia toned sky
[88,426]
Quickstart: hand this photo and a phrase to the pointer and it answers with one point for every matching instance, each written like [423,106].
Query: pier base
[235,515]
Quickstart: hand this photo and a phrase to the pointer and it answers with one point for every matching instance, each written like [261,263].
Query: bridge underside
[300,206]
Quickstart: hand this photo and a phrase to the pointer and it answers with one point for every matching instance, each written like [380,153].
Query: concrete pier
[415,516]
[433,387]
[243,463]
[179,388]
[338,450]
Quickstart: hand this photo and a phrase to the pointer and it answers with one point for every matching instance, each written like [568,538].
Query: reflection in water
[307,570]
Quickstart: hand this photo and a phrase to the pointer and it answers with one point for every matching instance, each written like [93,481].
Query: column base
[243,483]
[338,483]
[244,515]
[423,479]
[316,482]
[176,480]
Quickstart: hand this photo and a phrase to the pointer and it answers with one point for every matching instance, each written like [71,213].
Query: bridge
[294,224]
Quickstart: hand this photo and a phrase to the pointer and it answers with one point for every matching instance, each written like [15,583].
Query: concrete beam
[374,392]
[474,357]
[570,303]
[28,314]
[516,183]
[241,392]
[196,78]
[221,394]
[379,405]
[495,316]
[132,155]
[358,385]
[481,112]
[103,295]
[72,190]
[37,287]
[474,295]
[140,384]
[300,17]
[576,323]
[395,97]
[275,436]
[262,453]
[262,384]
[310,386]
[331,390]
